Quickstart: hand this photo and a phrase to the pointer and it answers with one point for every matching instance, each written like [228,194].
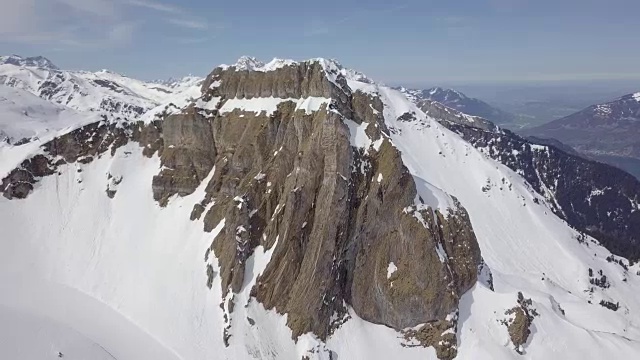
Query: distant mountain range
[459,101]
[109,93]
[35,61]
[609,132]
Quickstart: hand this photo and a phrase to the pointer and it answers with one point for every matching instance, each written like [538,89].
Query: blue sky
[411,41]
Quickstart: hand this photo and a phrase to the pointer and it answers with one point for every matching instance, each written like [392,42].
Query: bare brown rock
[82,145]
[296,178]
[519,326]
[441,335]
[188,155]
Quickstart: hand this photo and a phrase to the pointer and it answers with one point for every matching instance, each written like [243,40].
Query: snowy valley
[295,210]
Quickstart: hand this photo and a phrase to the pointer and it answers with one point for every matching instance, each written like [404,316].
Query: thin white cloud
[93,7]
[322,27]
[158,6]
[59,22]
[121,34]
[181,17]
[194,40]
[507,5]
[91,23]
[188,23]
[317,27]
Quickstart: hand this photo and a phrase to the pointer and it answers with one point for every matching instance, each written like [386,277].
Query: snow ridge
[105,92]
[331,66]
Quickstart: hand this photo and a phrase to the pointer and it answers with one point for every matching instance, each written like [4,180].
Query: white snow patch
[270,104]
[391,268]
[208,105]
[357,134]
[248,63]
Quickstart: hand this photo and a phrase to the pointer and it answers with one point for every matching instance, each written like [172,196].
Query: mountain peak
[34,61]
[461,102]
[449,94]
[634,96]
[248,63]
[331,67]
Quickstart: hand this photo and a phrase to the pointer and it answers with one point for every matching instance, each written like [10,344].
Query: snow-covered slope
[105,92]
[24,116]
[131,257]
[179,85]
[527,248]
[27,122]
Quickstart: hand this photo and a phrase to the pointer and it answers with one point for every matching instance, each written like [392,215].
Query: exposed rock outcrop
[188,155]
[519,325]
[441,335]
[337,213]
[294,179]
[82,145]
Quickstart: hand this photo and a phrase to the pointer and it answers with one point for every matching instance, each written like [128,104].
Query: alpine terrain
[298,210]
[608,132]
[461,102]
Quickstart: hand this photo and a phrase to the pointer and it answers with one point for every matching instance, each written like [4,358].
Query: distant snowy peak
[441,95]
[248,63]
[635,96]
[461,102]
[35,61]
[447,95]
[179,83]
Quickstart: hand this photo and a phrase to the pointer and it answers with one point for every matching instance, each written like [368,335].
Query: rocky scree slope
[595,198]
[308,173]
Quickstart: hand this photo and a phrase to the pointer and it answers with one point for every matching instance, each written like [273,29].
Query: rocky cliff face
[293,180]
[299,163]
